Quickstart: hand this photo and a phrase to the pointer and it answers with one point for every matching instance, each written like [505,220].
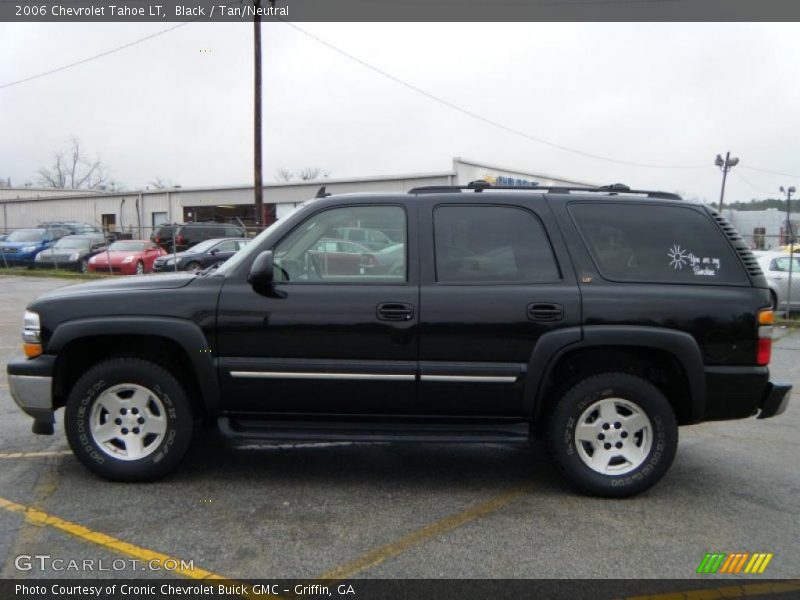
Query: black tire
[83,266]
[140,268]
[565,450]
[773,299]
[166,453]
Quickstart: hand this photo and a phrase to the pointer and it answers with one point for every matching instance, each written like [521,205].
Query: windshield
[26,235]
[202,247]
[73,242]
[234,261]
[126,247]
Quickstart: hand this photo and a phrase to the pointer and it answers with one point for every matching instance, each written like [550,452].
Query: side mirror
[213,251]
[262,270]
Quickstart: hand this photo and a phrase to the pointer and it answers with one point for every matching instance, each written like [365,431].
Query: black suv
[597,319]
[187,235]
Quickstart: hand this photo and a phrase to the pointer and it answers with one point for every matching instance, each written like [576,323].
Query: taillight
[764,352]
[180,239]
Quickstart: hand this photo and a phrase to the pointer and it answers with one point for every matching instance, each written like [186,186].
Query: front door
[497,283]
[340,333]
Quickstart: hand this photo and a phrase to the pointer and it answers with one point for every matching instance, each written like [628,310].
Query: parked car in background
[776,268]
[163,235]
[374,239]
[201,256]
[191,234]
[22,246]
[389,261]
[127,257]
[71,252]
[74,227]
[337,257]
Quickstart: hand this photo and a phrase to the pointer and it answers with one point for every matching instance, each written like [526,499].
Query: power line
[94,57]
[752,185]
[771,172]
[477,116]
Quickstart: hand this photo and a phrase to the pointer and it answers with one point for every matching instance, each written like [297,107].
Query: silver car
[776,267]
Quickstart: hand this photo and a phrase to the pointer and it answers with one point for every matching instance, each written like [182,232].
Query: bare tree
[312,173]
[283,174]
[160,184]
[73,170]
[305,174]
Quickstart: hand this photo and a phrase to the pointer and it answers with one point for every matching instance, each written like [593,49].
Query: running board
[283,431]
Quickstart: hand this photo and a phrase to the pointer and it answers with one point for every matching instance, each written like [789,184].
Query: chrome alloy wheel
[613,436]
[128,421]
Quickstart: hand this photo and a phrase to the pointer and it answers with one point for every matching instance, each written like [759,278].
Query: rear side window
[491,244]
[656,243]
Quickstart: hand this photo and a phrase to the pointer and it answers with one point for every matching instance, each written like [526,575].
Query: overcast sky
[179,106]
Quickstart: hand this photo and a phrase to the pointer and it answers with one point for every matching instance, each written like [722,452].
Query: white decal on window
[702,266]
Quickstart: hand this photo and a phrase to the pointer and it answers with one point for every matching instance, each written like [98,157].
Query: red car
[128,257]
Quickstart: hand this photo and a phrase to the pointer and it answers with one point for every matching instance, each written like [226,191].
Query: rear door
[500,278]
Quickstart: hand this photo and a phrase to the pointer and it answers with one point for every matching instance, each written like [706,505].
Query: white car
[776,268]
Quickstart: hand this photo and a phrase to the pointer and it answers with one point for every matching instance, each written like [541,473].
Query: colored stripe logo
[735,563]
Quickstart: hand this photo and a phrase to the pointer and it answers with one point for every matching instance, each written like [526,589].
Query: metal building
[141,210]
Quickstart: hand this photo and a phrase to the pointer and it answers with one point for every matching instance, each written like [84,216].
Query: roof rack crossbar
[611,190]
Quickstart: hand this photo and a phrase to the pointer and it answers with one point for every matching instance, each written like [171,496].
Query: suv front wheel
[613,435]
[128,419]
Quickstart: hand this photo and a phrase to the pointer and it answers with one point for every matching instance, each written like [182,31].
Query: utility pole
[257,162]
[790,238]
[725,165]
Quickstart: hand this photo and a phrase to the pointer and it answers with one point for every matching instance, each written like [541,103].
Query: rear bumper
[775,400]
[742,392]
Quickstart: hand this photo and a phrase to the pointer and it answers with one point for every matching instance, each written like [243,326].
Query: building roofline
[477,163]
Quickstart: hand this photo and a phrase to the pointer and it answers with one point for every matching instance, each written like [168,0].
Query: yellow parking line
[4,455]
[38,517]
[392,549]
[731,591]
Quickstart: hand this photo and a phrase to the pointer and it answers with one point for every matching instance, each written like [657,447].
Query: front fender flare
[186,334]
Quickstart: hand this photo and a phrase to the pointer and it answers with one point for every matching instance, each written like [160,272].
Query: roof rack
[479,186]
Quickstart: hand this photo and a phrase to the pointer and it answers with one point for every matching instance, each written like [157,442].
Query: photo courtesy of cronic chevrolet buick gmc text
[597,319]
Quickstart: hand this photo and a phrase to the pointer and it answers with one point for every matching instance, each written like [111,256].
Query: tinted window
[477,244]
[656,243]
[314,252]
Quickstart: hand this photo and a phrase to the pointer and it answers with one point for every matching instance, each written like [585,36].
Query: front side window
[491,244]
[655,243]
[317,251]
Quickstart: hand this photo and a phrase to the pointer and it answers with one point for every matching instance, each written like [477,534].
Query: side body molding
[552,346]
[185,333]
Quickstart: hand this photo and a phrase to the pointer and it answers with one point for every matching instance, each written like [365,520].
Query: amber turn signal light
[32,350]
[766,317]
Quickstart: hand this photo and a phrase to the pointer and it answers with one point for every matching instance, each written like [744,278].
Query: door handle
[539,311]
[395,311]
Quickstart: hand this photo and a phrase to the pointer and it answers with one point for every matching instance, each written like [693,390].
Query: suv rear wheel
[128,419]
[613,435]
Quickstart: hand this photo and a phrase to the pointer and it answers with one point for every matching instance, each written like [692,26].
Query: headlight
[40,256]
[31,328]
[128,259]
[93,260]
[74,256]
[29,249]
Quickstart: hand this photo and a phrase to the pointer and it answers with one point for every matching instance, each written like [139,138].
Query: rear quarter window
[654,243]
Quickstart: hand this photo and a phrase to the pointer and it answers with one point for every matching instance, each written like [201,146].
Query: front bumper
[775,400]
[30,382]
